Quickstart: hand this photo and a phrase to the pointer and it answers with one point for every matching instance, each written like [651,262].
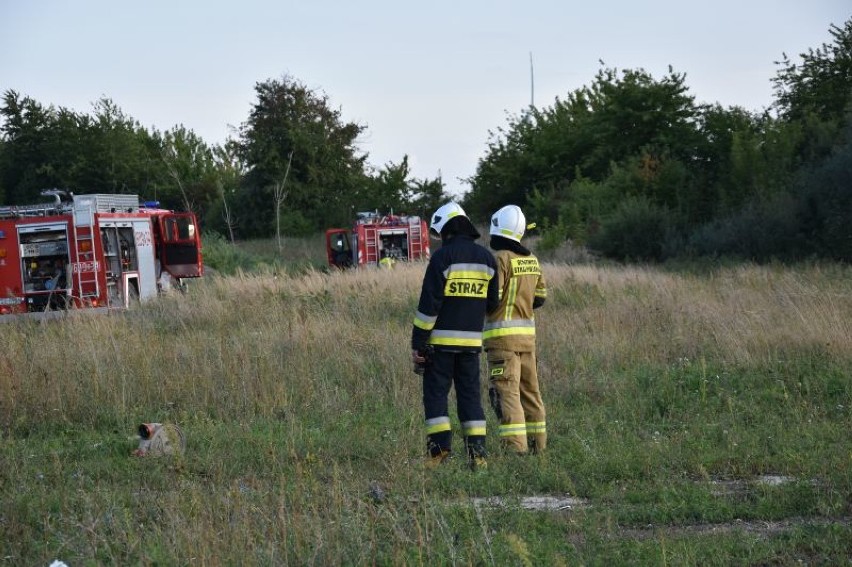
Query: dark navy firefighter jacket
[458,289]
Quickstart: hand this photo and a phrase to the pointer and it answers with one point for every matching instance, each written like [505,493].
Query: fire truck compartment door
[143,241]
[144,238]
[180,248]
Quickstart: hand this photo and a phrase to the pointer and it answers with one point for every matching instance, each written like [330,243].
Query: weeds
[670,395]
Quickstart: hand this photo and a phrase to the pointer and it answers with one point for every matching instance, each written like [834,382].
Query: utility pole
[532,83]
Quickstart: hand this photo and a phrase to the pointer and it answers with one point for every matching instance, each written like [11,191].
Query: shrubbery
[825,205]
[812,220]
[224,256]
[635,231]
[633,166]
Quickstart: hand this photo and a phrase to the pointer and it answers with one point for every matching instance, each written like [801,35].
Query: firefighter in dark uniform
[510,337]
[458,289]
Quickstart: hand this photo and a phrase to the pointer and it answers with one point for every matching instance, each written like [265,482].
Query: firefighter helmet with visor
[509,222]
[444,214]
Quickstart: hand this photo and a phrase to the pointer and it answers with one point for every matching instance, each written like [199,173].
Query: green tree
[229,174]
[292,131]
[393,188]
[120,156]
[622,116]
[632,112]
[105,152]
[26,168]
[191,171]
[763,162]
[821,84]
[388,190]
[426,196]
[720,130]
[507,172]
[816,93]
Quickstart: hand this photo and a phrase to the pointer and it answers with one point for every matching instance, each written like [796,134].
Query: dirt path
[763,528]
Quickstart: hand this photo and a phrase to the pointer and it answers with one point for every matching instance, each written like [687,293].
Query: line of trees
[633,167]
[630,165]
[293,167]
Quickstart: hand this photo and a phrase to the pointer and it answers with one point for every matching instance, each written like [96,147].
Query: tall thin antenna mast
[532,83]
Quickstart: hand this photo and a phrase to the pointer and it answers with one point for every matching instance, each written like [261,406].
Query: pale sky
[429,80]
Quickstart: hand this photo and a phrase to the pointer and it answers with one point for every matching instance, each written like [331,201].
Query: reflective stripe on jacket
[522,287]
[458,287]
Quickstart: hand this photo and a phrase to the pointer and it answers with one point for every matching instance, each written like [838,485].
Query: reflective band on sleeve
[455,338]
[536,426]
[512,429]
[437,424]
[477,271]
[541,293]
[473,428]
[424,322]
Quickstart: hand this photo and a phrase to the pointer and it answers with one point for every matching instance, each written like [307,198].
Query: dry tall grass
[744,315]
[237,346]
[296,392]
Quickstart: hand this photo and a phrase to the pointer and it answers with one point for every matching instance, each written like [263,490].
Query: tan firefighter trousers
[516,399]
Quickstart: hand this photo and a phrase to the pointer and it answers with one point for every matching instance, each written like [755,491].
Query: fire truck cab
[376,237]
[94,250]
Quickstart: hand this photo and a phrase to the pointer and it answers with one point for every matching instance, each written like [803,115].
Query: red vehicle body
[92,251]
[375,237]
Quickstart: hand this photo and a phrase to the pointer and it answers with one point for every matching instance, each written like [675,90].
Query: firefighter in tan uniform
[509,337]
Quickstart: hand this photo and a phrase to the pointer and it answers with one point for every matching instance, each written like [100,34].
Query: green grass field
[694,419]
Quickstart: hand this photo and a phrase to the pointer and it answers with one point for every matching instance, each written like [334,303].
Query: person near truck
[509,337]
[446,339]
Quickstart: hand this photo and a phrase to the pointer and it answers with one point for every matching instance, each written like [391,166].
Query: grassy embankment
[670,397]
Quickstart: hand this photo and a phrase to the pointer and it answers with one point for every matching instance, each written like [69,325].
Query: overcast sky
[428,80]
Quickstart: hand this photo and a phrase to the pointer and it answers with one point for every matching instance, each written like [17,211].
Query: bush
[758,232]
[635,231]
[812,221]
[223,256]
[825,203]
[552,237]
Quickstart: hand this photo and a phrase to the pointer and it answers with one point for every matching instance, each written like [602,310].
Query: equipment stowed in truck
[99,250]
[375,238]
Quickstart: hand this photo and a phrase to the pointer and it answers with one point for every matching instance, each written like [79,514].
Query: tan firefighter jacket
[522,288]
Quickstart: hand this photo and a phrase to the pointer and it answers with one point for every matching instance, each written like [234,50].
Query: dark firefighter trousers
[444,370]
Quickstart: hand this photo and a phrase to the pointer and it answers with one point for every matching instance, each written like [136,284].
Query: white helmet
[509,222]
[443,214]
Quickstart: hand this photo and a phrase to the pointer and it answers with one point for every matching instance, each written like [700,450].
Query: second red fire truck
[92,251]
[375,238]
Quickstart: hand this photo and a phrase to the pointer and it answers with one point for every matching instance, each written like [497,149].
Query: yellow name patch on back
[464,287]
[525,267]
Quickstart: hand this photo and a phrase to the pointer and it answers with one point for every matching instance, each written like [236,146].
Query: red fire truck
[94,250]
[376,237]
